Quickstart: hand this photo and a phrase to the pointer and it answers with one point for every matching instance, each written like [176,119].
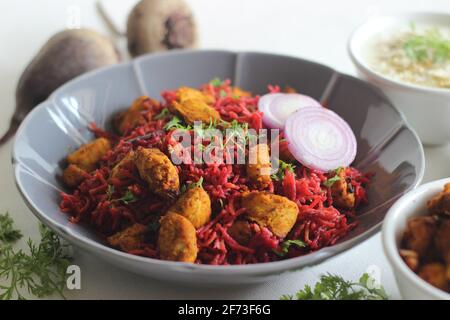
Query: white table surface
[316,30]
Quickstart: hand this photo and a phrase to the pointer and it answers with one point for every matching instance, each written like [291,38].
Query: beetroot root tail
[10,133]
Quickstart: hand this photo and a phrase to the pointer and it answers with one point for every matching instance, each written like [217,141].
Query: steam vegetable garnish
[320,139]
[150,192]
[41,271]
[277,107]
[333,287]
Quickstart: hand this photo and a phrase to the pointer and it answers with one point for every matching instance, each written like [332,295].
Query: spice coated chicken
[177,239]
[192,105]
[426,242]
[195,205]
[275,212]
[84,160]
[259,165]
[159,172]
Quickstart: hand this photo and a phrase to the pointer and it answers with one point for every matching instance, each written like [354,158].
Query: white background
[314,29]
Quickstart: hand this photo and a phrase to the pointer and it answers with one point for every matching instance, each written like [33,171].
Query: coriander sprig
[41,271]
[282,167]
[333,287]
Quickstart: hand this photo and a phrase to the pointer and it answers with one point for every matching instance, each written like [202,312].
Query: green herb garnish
[430,46]
[216,82]
[165,113]
[41,271]
[282,166]
[128,198]
[330,181]
[8,234]
[176,123]
[197,184]
[333,287]
[285,245]
[192,185]
[223,93]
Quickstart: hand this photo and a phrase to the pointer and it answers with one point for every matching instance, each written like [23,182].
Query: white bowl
[426,109]
[411,286]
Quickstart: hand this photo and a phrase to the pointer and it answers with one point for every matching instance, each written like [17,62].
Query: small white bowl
[411,286]
[427,109]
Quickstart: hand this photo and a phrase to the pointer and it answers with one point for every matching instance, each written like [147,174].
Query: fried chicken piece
[411,259]
[259,167]
[133,117]
[158,171]
[195,205]
[88,155]
[126,162]
[177,240]
[240,231]
[440,204]
[435,274]
[419,234]
[341,194]
[73,176]
[131,238]
[195,110]
[194,105]
[186,93]
[275,212]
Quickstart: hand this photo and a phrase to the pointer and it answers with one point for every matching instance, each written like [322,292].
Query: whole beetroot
[159,25]
[65,56]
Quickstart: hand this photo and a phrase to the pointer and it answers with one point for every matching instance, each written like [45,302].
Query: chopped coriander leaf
[8,234]
[223,93]
[329,183]
[198,184]
[176,123]
[332,287]
[285,245]
[216,82]
[192,185]
[165,113]
[128,198]
[430,46]
[282,166]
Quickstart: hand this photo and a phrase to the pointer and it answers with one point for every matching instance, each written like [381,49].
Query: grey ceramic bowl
[386,145]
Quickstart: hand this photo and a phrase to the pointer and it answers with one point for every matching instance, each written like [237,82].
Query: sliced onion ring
[264,106]
[320,139]
[277,107]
